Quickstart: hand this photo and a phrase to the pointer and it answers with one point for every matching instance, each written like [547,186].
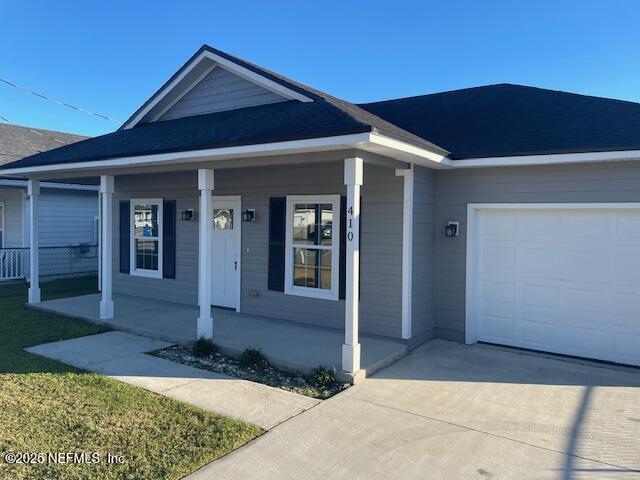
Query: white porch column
[407,249]
[106,246]
[33,191]
[205,260]
[351,349]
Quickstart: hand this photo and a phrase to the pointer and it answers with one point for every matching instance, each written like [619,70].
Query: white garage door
[559,280]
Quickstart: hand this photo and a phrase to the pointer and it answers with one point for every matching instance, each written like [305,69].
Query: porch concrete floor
[286,344]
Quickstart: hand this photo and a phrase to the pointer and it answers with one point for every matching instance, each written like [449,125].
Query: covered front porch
[286,344]
[262,267]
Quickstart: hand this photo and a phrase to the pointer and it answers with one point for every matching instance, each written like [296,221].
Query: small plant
[323,377]
[204,347]
[255,359]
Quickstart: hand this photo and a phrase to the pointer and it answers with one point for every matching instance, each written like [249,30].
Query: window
[146,237]
[223,218]
[1,225]
[312,246]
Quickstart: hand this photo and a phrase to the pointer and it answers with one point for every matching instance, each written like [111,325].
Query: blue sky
[109,56]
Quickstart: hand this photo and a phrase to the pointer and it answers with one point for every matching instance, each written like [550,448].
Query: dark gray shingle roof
[490,121]
[17,142]
[504,120]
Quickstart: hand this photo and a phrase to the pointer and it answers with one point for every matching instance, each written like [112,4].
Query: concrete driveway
[450,411]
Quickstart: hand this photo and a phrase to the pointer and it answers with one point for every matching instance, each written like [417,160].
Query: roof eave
[366,141]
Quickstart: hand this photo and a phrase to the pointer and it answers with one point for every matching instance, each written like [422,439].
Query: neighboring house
[68,211]
[503,214]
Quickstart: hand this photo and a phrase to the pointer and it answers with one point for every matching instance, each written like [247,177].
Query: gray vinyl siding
[13,204]
[67,217]
[220,90]
[381,241]
[423,306]
[579,183]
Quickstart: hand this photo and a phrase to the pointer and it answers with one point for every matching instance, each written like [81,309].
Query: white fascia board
[554,159]
[52,185]
[232,67]
[409,152]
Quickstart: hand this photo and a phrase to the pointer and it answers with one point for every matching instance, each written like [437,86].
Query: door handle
[235,265]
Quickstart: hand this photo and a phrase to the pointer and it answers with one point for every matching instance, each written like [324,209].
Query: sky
[109,56]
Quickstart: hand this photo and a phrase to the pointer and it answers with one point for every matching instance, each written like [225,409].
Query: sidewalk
[123,356]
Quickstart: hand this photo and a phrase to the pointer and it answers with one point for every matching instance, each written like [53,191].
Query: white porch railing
[54,261]
[13,263]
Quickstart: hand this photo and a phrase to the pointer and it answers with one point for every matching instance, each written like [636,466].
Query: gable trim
[223,62]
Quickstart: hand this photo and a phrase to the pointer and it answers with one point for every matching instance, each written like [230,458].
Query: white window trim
[139,272]
[289,287]
[3,238]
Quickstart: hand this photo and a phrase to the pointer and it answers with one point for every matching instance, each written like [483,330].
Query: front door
[226,252]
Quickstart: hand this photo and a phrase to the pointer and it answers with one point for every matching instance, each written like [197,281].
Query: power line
[59,102]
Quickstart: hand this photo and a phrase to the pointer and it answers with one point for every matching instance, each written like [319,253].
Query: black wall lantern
[452,229]
[249,215]
[187,215]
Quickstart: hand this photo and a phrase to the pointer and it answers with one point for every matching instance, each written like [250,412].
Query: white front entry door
[225,285]
[562,280]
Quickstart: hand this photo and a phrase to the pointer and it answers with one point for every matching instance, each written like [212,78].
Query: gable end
[217,91]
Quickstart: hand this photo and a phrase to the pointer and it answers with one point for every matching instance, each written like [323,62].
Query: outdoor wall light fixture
[187,215]
[452,229]
[249,215]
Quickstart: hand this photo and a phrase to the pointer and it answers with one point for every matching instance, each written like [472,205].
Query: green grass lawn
[46,406]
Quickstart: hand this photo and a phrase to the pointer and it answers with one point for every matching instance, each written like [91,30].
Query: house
[502,214]
[68,225]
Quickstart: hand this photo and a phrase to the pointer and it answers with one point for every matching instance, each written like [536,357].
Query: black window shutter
[169,239]
[277,222]
[343,246]
[125,226]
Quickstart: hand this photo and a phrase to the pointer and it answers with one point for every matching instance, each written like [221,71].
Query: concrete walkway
[451,411]
[122,356]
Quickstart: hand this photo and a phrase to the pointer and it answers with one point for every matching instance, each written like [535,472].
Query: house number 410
[350,227]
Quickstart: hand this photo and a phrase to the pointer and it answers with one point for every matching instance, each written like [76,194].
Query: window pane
[324,268]
[326,223]
[146,254]
[223,218]
[304,267]
[308,271]
[145,220]
[304,223]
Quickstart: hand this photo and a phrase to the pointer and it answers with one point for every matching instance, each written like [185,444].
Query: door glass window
[223,218]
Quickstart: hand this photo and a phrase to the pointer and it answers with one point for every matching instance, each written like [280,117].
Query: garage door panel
[627,306]
[585,303]
[628,231]
[498,292]
[539,262]
[497,259]
[588,265]
[585,340]
[627,345]
[559,280]
[541,227]
[585,227]
[628,268]
[498,226]
[538,335]
[497,328]
[540,296]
